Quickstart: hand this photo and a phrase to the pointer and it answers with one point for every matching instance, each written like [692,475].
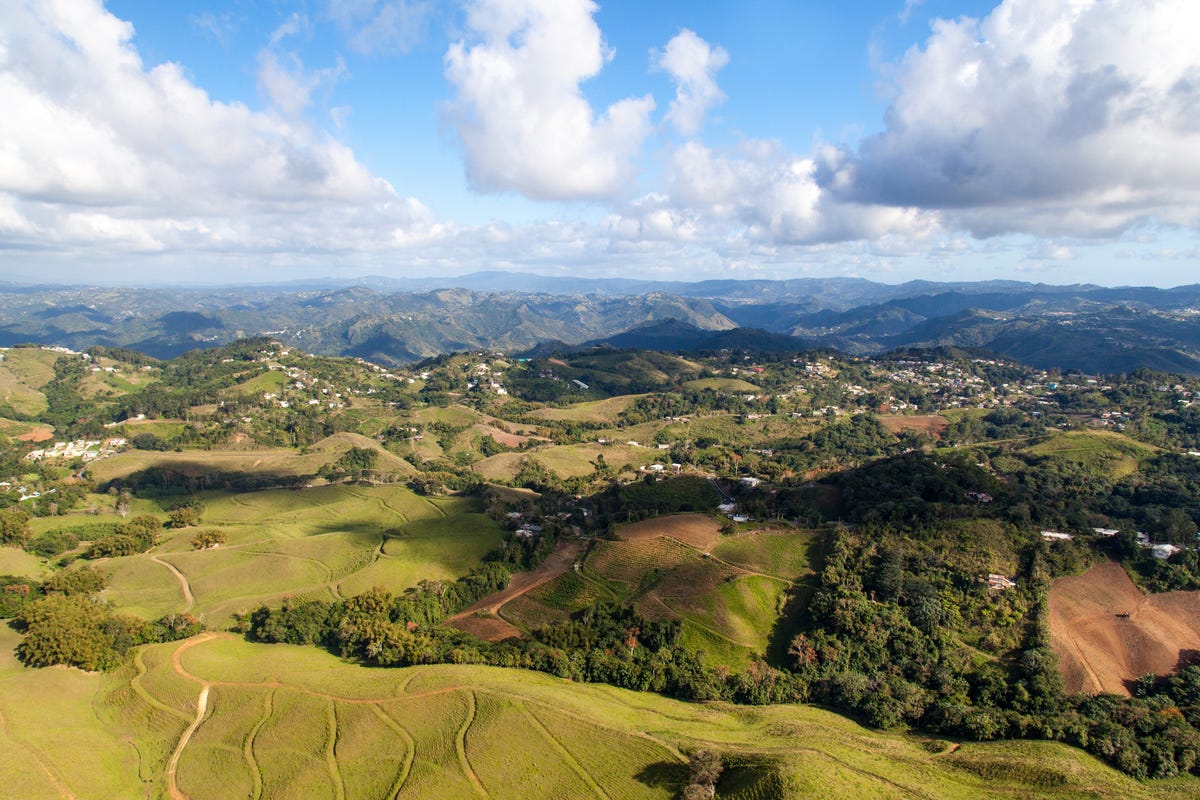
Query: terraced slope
[215,717]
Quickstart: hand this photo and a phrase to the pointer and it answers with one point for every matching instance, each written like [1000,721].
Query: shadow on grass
[790,621]
[663,774]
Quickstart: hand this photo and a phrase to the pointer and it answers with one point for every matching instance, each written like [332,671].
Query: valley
[290,570]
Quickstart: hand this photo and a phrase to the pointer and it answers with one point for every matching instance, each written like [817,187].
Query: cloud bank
[519,113]
[1060,117]
[1059,120]
[98,149]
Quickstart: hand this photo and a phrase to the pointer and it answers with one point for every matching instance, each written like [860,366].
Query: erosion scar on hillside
[493,629]
[1106,633]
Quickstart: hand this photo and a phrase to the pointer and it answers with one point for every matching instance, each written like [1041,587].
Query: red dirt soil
[494,629]
[37,435]
[1106,632]
[931,424]
[699,530]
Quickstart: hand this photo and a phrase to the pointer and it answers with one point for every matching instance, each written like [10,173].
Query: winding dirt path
[492,628]
[183,582]
[201,708]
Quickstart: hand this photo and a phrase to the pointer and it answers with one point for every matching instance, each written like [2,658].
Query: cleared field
[282,721]
[481,618]
[1114,454]
[1107,633]
[14,561]
[607,410]
[722,385]
[320,543]
[18,394]
[567,461]
[335,446]
[270,381]
[728,607]
[455,415]
[123,380]
[263,461]
[782,552]
[933,424]
[279,461]
[25,431]
[32,366]
[698,530]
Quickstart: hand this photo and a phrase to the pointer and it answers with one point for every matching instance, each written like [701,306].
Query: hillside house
[1000,582]
[1164,551]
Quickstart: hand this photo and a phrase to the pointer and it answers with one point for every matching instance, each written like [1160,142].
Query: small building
[995,581]
[1106,531]
[1055,536]
[1164,551]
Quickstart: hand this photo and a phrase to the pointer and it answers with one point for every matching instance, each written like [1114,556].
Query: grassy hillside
[1107,453]
[728,592]
[237,720]
[23,371]
[323,542]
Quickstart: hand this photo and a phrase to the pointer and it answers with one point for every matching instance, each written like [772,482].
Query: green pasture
[320,543]
[1104,452]
[17,393]
[285,721]
[784,553]
[268,381]
[454,415]
[722,385]
[162,428]
[15,561]
[125,380]
[567,461]
[608,410]
[269,461]
[728,602]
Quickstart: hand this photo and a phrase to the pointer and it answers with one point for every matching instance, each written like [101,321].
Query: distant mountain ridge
[1093,328]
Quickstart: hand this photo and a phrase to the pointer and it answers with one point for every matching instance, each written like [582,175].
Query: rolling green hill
[218,718]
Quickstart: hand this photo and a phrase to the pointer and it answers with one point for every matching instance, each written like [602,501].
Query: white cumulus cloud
[764,193]
[693,65]
[1049,117]
[519,112]
[97,148]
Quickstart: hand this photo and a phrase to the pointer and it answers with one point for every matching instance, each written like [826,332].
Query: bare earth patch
[1106,632]
[481,618]
[699,530]
[37,435]
[931,424]
[505,437]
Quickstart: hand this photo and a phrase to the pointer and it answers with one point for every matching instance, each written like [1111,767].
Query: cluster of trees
[652,498]
[606,643]
[889,635]
[64,622]
[133,536]
[353,463]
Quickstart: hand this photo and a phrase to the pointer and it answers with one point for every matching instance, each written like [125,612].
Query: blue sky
[1048,140]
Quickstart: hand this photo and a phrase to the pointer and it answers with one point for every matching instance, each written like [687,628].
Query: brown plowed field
[699,530]
[1106,632]
[932,424]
